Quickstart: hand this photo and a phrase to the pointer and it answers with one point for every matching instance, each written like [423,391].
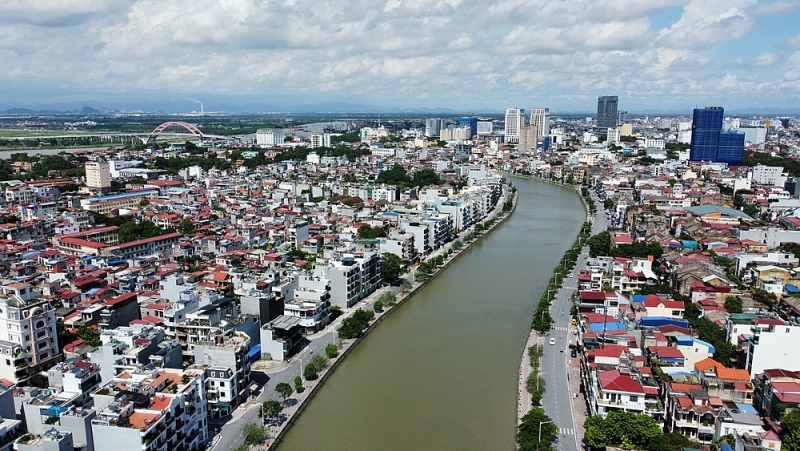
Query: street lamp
[540,428]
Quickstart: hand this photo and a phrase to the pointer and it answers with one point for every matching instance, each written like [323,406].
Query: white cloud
[449,53]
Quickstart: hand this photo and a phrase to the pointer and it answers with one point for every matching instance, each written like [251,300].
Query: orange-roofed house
[729,384]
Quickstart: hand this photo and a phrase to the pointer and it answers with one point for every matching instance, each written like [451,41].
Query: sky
[656,55]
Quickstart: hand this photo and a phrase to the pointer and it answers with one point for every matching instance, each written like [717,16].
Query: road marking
[566,431]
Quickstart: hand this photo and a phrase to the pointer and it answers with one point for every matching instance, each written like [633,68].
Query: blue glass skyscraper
[710,143]
[471,122]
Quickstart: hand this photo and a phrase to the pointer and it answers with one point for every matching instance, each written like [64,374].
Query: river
[441,372]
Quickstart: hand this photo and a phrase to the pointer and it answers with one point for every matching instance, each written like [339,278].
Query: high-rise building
[433,126]
[623,117]
[471,122]
[710,143]
[540,118]
[607,111]
[98,175]
[528,138]
[323,140]
[515,120]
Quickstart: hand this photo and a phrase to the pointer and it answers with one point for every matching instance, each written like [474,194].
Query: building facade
[607,111]
[515,121]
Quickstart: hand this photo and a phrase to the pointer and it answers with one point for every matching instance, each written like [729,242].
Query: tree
[623,429]
[387,298]
[426,177]
[270,409]
[792,248]
[186,227]
[395,176]
[765,297]
[331,350]
[405,287]
[534,424]
[672,441]
[242,447]
[391,267]
[144,203]
[751,210]
[320,362]
[790,423]
[298,384]
[253,433]
[310,372]
[284,389]
[733,304]
[600,244]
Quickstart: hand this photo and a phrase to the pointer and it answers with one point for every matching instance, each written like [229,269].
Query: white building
[613,135]
[321,140]
[654,143]
[269,137]
[755,135]
[767,347]
[768,175]
[515,120]
[27,332]
[98,175]
[485,128]
[540,118]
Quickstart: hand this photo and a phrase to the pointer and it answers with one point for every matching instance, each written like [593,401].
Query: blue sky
[655,55]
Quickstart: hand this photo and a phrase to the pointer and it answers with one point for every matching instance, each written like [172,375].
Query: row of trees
[535,384]
[630,431]
[541,317]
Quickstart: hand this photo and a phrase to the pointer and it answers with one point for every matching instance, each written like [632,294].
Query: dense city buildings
[138,300]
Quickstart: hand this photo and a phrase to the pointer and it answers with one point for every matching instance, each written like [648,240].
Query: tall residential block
[98,175]
[515,120]
[433,126]
[710,142]
[607,111]
[540,118]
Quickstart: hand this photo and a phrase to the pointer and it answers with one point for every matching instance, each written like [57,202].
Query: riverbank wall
[348,345]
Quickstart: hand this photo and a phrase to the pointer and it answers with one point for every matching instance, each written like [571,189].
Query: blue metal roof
[792,289]
[598,327]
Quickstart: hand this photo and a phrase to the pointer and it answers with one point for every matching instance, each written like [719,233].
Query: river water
[441,373]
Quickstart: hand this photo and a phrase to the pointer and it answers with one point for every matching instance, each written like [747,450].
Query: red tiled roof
[615,381]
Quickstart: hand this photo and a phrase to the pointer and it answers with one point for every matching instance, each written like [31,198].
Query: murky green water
[441,373]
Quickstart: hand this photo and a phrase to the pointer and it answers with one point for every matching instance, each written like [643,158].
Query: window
[634,399]
[221,384]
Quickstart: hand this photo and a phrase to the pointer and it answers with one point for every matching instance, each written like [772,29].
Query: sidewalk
[578,400]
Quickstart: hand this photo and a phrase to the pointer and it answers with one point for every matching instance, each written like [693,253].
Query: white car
[552,341]
[570,275]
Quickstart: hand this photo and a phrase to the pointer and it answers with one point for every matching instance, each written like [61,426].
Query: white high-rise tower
[540,117]
[515,120]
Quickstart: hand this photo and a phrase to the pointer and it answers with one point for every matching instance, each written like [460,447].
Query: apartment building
[227,356]
[352,277]
[141,248]
[106,204]
[28,336]
[162,410]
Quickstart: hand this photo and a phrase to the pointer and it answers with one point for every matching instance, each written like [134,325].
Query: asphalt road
[557,396]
